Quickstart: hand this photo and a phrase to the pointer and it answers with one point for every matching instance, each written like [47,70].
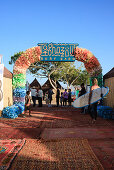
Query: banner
[1,85]
[57,52]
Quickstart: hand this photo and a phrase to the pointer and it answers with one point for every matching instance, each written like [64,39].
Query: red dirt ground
[64,122]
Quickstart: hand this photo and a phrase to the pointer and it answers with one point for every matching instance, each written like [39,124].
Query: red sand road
[64,122]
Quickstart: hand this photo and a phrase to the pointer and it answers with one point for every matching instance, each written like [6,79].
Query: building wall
[109,99]
[7,92]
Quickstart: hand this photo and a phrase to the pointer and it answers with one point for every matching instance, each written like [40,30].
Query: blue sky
[90,23]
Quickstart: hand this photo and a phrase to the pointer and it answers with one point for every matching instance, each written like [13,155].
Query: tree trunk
[51,82]
[74,80]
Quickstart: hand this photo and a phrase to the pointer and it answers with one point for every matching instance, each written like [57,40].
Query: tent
[35,84]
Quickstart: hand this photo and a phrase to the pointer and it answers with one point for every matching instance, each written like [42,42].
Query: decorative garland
[13,111]
[91,63]
[32,55]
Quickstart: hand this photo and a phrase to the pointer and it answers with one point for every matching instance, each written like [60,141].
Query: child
[28,102]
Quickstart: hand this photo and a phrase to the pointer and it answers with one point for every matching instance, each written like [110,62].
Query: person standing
[40,96]
[46,98]
[65,97]
[73,95]
[93,107]
[61,98]
[37,97]
[57,96]
[69,97]
[34,95]
[28,102]
[50,93]
[82,92]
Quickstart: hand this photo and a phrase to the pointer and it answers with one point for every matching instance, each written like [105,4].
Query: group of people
[36,95]
[92,108]
[66,96]
[62,99]
[33,95]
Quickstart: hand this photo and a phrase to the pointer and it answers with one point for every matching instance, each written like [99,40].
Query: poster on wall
[1,85]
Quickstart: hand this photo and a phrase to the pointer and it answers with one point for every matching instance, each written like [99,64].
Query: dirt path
[51,123]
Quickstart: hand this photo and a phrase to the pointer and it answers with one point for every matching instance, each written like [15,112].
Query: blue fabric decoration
[12,111]
[104,111]
[19,92]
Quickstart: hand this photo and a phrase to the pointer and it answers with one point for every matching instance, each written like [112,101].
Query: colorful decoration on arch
[91,63]
[30,56]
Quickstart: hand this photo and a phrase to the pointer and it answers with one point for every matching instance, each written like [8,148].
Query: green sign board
[57,52]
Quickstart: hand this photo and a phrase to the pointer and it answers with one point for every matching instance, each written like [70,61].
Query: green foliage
[83,78]
[68,72]
[15,57]
[63,71]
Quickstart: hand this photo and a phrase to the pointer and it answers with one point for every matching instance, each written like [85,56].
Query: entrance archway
[32,55]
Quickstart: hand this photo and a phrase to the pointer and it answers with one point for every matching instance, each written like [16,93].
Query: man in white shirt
[40,96]
[33,94]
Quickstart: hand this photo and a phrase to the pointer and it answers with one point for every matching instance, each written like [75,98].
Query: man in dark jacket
[82,92]
[50,93]
[57,96]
